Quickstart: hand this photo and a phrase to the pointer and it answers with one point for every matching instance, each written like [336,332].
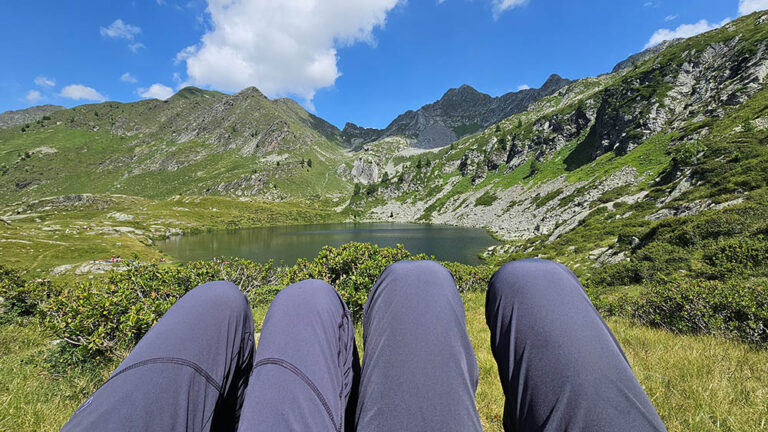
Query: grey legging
[196,369]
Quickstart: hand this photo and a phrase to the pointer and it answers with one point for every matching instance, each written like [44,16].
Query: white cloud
[33,96]
[283,47]
[157,91]
[684,31]
[44,82]
[748,6]
[670,18]
[81,92]
[135,47]
[120,30]
[500,6]
[128,78]
[523,87]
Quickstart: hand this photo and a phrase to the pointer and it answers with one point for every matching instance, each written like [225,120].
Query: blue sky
[347,60]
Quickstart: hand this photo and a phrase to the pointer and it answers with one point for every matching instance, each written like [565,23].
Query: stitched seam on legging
[171,360]
[296,371]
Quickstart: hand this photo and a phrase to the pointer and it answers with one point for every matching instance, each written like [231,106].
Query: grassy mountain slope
[198,142]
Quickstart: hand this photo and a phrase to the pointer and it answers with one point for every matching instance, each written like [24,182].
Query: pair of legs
[196,369]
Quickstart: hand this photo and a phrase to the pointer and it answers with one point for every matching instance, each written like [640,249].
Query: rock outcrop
[27,115]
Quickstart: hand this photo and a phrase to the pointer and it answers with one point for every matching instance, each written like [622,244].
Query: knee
[529,277]
[422,277]
[414,269]
[307,296]
[221,297]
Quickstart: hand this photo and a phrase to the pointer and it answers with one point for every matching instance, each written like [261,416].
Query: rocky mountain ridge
[459,112]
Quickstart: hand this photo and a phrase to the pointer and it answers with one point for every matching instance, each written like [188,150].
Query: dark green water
[288,243]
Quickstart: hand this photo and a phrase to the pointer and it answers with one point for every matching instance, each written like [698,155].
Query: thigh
[188,373]
[419,370]
[305,364]
[559,364]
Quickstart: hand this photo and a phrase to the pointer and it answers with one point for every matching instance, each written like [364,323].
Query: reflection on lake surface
[288,243]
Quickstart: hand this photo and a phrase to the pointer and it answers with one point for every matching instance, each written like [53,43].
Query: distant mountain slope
[196,142]
[640,57]
[677,132]
[28,115]
[458,113]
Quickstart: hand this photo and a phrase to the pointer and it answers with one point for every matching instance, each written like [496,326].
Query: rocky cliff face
[28,115]
[460,112]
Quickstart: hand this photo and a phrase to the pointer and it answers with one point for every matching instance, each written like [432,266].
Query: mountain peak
[191,92]
[250,92]
[554,83]
[463,90]
[27,115]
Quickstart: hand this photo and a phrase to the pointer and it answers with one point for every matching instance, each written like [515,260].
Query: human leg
[560,366]
[305,363]
[419,370]
[188,373]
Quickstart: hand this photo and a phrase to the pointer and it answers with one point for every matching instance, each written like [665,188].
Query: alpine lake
[287,244]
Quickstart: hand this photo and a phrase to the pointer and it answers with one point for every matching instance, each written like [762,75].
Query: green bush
[470,278]
[693,230]
[105,317]
[19,298]
[731,309]
[351,268]
[487,199]
[685,154]
[737,256]
[100,317]
[651,263]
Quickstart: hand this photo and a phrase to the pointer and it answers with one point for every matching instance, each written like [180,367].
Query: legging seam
[171,360]
[296,371]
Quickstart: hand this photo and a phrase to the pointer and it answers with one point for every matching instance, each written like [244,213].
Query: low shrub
[470,278]
[737,256]
[649,264]
[100,317]
[19,298]
[107,316]
[730,309]
[487,199]
[352,269]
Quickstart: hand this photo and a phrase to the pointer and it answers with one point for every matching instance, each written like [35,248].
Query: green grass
[32,397]
[39,241]
[696,383]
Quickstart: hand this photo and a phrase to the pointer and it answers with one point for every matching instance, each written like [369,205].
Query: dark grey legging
[559,364]
[195,370]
